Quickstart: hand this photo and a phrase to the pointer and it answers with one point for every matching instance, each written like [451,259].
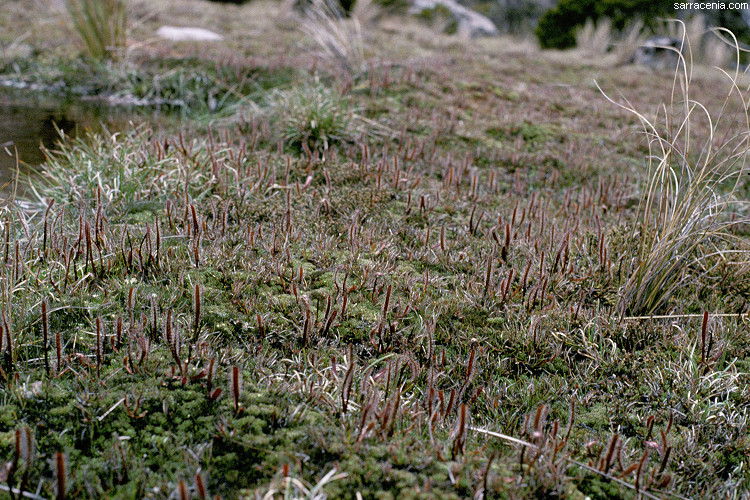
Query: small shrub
[102,25]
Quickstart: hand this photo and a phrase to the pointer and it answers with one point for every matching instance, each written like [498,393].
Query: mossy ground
[364,292]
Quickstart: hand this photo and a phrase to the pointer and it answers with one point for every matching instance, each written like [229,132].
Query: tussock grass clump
[102,25]
[112,166]
[314,116]
[339,39]
[595,39]
[688,210]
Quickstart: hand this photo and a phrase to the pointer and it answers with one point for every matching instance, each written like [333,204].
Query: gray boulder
[468,22]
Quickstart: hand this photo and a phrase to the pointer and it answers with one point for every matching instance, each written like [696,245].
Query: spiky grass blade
[102,25]
[688,208]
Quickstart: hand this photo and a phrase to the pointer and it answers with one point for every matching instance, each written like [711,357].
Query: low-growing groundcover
[423,300]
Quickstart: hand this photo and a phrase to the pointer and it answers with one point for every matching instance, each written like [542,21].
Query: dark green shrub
[557,27]
[516,16]
[340,7]
[393,6]
[732,20]
[510,16]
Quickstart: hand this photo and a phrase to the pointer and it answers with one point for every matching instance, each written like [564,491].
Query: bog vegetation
[416,267]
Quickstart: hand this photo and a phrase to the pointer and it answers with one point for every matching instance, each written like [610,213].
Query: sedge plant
[689,210]
[339,39]
[102,25]
[314,115]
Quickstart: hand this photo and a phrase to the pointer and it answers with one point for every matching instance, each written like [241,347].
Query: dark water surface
[29,120]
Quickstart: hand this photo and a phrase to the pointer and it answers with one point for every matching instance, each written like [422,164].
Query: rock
[658,52]
[468,22]
[183,34]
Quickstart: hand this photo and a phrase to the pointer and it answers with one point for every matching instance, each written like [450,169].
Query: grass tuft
[339,39]
[314,116]
[688,210]
[102,25]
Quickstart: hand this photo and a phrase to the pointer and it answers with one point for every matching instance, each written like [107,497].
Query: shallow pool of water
[29,121]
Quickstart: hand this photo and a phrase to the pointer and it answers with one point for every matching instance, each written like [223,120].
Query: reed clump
[689,211]
[102,26]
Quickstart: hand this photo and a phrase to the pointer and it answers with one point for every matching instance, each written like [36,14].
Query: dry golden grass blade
[339,39]
[686,203]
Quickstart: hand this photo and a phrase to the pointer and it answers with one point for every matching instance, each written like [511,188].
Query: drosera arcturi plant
[543,456]
[382,297]
[688,211]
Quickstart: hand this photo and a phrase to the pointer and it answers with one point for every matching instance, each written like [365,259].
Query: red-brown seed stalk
[99,335]
[236,388]
[641,468]
[168,329]
[196,226]
[118,331]
[196,314]
[154,318]
[571,418]
[386,303]
[451,402]
[649,426]
[61,475]
[58,347]
[200,487]
[525,278]
[28,447]
[8,338]
[306,327]
[210,374]
[488,274]
[196,251]
[45,335]
[344,301]
[704,330]
[348,379]
[506,286]
[460,439]
[606,461]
